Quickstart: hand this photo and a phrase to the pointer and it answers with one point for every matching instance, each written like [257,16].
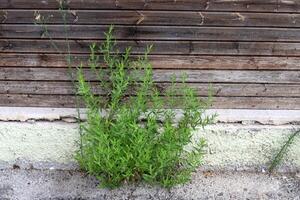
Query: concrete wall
[42,138]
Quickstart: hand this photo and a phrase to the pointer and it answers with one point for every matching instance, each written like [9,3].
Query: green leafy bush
[129,135]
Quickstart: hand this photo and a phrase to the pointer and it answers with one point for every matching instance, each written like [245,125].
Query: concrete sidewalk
[54,184]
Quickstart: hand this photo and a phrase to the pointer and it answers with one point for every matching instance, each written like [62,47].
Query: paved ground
[54,184]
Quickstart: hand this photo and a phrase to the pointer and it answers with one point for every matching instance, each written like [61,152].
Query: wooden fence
[249,50]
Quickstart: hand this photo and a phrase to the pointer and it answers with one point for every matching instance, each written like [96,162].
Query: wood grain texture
[157,18]
[160,47]
[213,76]
[96,32]
[161,61]
[219,102]
[219,90]
[220,5]
[248,49]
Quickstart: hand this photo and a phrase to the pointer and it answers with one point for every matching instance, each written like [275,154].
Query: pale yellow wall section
[233,146]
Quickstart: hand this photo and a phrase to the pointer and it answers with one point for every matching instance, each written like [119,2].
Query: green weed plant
[129,135]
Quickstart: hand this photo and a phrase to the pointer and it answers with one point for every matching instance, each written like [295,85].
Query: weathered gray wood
[160,47]
[219,102]
[161,61]
[199,76]
[250,54]
[202,89]
[236,5]
[152,33]
[141,17]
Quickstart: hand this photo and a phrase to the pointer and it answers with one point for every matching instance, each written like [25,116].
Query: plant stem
[279,156]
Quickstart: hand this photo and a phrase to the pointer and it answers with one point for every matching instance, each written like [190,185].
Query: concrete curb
[234,147]
[271,117]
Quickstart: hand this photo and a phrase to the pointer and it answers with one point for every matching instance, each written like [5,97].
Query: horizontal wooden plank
[152,33]
[219,102]
[203,76]
[160,47]
[161,61]
[219,90]
[141,17]
[237,5]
